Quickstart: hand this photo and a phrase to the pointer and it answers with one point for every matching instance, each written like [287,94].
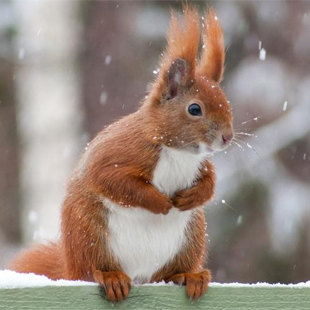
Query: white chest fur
[144,242]
[176,170]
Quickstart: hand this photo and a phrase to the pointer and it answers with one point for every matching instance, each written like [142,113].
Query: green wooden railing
[218,297]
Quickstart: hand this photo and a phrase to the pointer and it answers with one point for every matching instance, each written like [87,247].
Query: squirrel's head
[188,107]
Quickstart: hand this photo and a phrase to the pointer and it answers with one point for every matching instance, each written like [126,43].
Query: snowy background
[67,68]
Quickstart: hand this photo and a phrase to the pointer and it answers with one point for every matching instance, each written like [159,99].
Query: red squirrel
[133,208]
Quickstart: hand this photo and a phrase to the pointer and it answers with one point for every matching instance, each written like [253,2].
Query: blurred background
[68,68]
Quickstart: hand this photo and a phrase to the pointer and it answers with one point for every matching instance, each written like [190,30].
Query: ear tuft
[212,59]
[178,64]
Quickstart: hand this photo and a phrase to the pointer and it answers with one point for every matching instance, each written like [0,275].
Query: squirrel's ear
[178,64]
[178,77]
[211,64]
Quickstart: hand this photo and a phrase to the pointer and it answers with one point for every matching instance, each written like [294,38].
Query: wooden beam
[158,297]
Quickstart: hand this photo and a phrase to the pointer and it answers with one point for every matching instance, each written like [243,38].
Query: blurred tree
[9,194]
[9,166]
[49,111]
[112,86]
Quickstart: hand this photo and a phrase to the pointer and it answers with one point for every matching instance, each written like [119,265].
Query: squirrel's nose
[227,137]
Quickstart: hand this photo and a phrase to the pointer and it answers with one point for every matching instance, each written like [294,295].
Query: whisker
[253,149]
[240,147]
[246,134]
[243,128]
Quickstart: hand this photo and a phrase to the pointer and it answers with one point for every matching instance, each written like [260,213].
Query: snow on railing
[29,291]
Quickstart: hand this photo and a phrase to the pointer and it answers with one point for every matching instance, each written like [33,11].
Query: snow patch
[11,279]
[261,285]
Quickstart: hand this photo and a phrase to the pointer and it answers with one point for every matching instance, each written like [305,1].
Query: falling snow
[262,54]
[32,216]
[21,53]
[103,98]
[285,106]
[108,60]
[254,119]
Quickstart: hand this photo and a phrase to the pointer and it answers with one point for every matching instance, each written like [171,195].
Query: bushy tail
[42,260]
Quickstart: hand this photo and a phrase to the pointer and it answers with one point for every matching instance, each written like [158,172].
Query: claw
[116,284]
[196,283]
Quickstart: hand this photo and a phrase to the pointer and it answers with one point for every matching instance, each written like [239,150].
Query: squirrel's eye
[195,109]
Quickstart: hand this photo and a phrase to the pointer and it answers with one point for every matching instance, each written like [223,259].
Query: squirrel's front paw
[196,283]
[116,284]
[187,199]
[162,206]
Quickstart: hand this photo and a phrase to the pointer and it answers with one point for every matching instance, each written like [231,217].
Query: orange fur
[119,165]
[212,59]
[42,260]
[182,42]
[196,196]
